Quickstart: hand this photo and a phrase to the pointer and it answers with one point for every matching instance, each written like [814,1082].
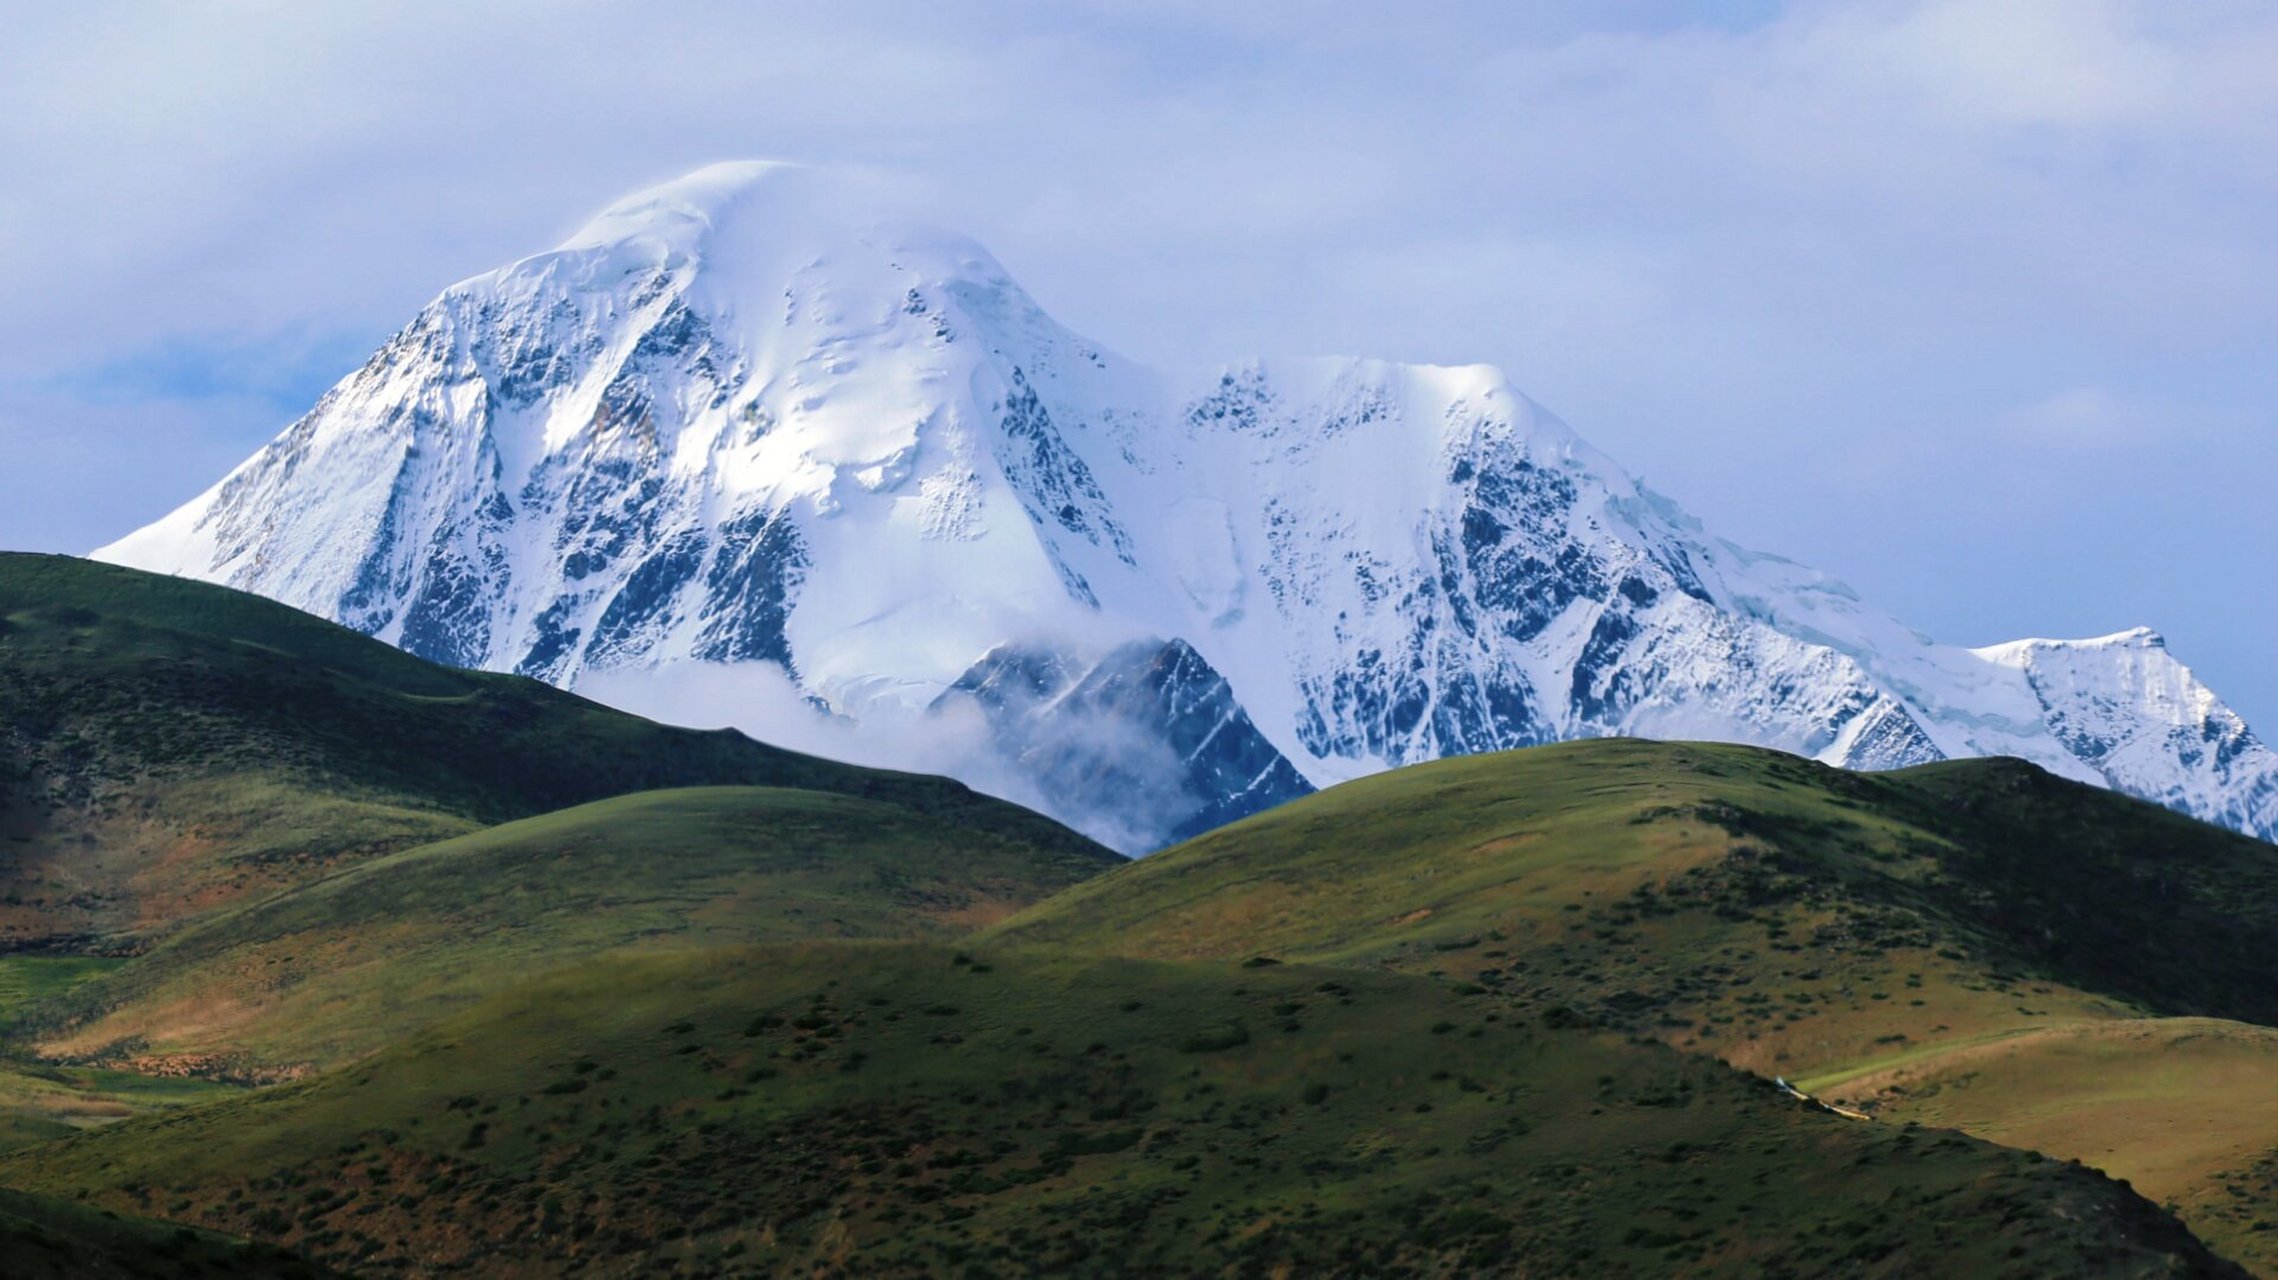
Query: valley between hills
[322,959]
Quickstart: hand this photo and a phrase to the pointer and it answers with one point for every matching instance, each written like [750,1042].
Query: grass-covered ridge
[896,1109]
[170,748]
[1642,877]
[350,963]
[1956,928]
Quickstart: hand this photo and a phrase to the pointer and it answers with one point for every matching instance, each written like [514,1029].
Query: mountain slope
[169,748]
[43,1238]
[359,959]
[1972,942]
[897,1110]
[2180,1107]
[1637,878]
[738,449]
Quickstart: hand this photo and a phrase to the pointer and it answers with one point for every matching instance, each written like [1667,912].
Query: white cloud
[2083,416]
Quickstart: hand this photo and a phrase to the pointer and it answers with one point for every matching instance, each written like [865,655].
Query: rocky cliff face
[734,434]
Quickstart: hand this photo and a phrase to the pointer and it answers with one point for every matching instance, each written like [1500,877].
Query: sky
[1972,303]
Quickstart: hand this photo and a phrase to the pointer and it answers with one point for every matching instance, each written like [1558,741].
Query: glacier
[743,450]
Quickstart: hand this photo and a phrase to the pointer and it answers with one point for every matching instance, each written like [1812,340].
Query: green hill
[170,748]
[2183,1108]
[1852,931]
[555,989]
[897,1109]
[349,963]
[1723,896]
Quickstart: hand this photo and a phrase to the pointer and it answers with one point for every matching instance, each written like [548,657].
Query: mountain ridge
[742,434]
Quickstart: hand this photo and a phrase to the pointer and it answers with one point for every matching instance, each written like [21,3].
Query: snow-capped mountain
[732,453]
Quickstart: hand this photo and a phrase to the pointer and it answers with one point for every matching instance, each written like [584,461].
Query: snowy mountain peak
[2124,706]
[2018,652]
[748,449]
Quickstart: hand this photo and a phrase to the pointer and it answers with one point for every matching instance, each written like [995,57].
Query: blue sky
[1966,301]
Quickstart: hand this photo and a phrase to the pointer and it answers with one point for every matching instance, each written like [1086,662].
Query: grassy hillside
[169,748]
[1869,934]
[1725,897]
[351,962]
[43,1100]
[2113,893]
[539,1015]
[47,1239]
[2184,1108]
[28,980]
[40,1101]
[894,1109]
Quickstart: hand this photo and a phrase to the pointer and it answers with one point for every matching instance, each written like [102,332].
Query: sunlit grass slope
[28,980]
[349,963]
[1727,898]
[40,1101]
[2185,1109]
[899,1109]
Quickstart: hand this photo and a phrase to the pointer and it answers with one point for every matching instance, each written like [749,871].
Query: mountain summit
[741,451]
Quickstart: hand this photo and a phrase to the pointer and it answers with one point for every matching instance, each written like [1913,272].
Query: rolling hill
[523,984]
[1854,931]
[349,963]
[1640,879]
[169,748]
[907,1109]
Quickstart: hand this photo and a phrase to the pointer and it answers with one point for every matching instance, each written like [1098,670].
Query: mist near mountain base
[1128,778]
